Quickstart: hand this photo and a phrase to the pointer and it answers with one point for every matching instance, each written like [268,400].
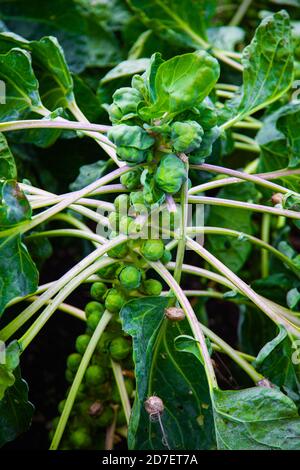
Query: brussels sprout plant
[176,248]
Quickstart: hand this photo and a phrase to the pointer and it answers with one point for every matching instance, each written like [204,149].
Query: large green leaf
[22,95]
[179,21]
[256,418]
[275,361]
[176,377]
[15,410]
[18,273]
[234,252]
[268,67]
[8,169]
[14,206]
[181,83]
[86,41]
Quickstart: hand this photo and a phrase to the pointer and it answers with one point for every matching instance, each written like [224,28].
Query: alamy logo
[153,222]
[2,92]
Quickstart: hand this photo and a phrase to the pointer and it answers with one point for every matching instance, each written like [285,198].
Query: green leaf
[254,330]
[8,169]
[256,419]
[275,362]
[288,123]
[179,21]
[12,360]
[18,273]
[85,40]
[15,410]
[49,55]
[88,174]
[14,206]
[181,83]
[268,67]
[233,252]
[22,95]
[177,378]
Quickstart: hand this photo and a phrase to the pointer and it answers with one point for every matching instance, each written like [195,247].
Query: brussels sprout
[95,375]
[152,287]
[125,224]
[104,342]
[114,300]
[153,196]
[108,272]
[80,438]
[61,406]
[98,289]
[114,220]
[93,320]
[92,307]
[119,251]
[106,417]
[121,203]
[170,174]
[133,142]
[119,348]
[115,396]
[82,342]
[130,277]
[166,257]
[208,114]
[133,155]
[186,136]
[73,361]
[125,102]
[153,250]
[131,179]
[137,198]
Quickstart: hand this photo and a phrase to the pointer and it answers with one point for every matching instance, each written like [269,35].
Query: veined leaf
[256,418]
[49,55]
[181,83]
[22,95]
[14,206]
[18,273]
[8,169]
[179,21]
[268,67]
[15,410]
[177,378]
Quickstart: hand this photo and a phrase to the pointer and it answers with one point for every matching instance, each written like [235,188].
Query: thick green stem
[265,236]
[105,319]
[245,237]
[122,389]
[19,321]
[192,319]
[240,13]
[215,201]
[42,319]
[183,225]
[233,354]
[243,287]
[66,202]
